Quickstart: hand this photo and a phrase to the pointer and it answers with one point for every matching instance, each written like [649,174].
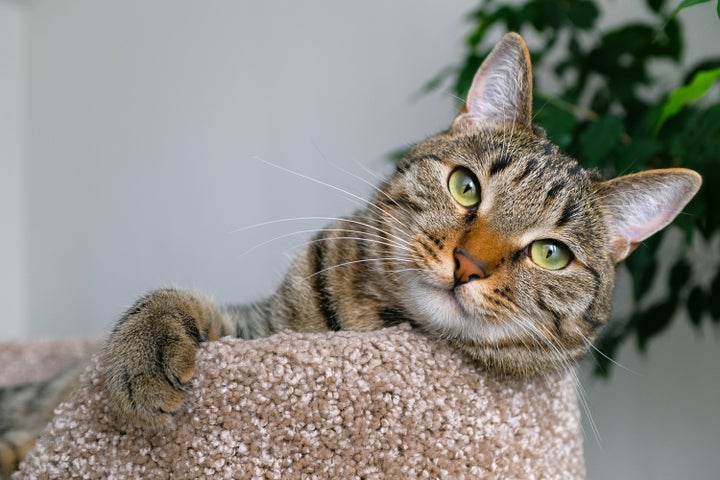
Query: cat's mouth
[447,309]
[447,305]
[471,304]
[454,293]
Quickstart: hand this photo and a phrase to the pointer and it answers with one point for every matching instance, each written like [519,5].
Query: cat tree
[385,404]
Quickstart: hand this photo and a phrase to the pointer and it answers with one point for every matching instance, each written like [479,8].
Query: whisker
[361,201]
[358,200]
[302,232]
[590,344]
[335,219]
[375,205]
[404,270]
[567,366]
[582,397]
[362,260]
[377,177]
[361,239]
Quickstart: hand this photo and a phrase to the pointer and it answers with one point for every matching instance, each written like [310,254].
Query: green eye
[550,254]
[464,187]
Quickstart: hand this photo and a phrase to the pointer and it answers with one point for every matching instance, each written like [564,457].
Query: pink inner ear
[641,204]
[501,91]
[629,233]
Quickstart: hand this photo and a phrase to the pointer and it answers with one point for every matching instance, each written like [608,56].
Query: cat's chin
[443,310]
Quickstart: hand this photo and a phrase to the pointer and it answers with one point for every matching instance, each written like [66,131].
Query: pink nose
[468,268]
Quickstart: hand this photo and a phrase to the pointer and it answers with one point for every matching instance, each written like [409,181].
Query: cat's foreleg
[150,354]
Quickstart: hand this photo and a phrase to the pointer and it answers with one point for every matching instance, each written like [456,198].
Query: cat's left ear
[501,91]
[638,205]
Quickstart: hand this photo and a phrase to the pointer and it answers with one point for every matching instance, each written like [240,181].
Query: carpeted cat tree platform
[385,404]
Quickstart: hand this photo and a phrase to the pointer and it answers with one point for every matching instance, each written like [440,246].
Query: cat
[486,236]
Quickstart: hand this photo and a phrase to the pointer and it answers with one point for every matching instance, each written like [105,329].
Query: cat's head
[511,245]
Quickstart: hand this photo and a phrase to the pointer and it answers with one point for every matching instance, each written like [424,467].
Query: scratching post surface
[385,404]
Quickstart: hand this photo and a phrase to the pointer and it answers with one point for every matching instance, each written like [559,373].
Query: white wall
[12,191]
[144,120]
[145,117]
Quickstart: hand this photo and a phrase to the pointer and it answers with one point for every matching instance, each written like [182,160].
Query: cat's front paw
[150,355]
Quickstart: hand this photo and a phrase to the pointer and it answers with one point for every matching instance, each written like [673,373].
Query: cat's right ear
[501,91]
[638,205]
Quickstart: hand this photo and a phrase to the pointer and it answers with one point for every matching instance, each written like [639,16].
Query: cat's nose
[468,268]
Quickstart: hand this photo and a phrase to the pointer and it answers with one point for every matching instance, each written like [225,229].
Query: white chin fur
[440,311]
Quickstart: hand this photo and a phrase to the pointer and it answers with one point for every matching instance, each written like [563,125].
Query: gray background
[134,141]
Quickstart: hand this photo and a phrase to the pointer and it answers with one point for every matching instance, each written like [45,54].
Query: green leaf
[683,5]
[637,154]
[642,265]
[654,320]
[681,96]
[655,5]
[397,155]
[715,298]
[600,138]
[559,123]
[688,3]
[478,34]
[582,13]
[696,305]
[679,275]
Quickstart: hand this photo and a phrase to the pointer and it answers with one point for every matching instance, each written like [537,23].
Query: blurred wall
[148,124]
[135,138]
[13,214]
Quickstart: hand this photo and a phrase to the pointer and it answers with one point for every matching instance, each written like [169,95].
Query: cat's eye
[550,254]
[464,187]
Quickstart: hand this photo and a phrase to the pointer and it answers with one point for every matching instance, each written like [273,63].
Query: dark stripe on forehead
[431,156]
[575,170]
[529,167]
[500,164]
[553,193]
[570,210]
[324,296]
[406,162]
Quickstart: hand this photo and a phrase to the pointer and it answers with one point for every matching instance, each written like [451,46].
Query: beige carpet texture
[346,405]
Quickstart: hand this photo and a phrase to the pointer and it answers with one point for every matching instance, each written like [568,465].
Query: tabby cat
[486,236]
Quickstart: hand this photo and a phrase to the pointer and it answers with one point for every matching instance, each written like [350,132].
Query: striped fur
[399,259]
